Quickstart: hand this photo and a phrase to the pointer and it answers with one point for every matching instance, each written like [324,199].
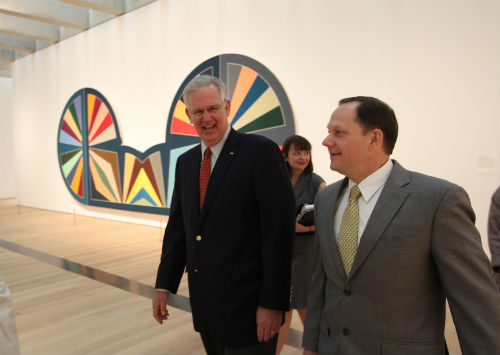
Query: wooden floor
[61,312]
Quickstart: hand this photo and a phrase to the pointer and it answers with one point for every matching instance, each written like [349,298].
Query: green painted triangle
[75,116]
[70,164]
[270,119]
[67,156]
[104,179]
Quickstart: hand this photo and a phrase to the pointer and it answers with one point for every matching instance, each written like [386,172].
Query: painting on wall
[99,171]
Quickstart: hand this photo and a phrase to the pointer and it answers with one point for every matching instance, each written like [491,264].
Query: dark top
[305,190]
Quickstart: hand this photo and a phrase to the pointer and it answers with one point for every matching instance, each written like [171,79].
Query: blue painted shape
[174,155]
[259,86]
[72,173]
[67,139]
[142,194]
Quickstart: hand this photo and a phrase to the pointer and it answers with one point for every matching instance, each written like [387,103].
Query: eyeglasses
[198,113]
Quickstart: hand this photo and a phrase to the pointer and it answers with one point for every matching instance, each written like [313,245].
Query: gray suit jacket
[494,228]
[494,234]
[420,247]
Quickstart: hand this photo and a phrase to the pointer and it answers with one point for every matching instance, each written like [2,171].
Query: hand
[309,352]
[299,228]
[160,312]
[268,323]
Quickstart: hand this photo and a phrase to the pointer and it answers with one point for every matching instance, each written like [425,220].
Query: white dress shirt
[370,188]
[215,152]
[216,149]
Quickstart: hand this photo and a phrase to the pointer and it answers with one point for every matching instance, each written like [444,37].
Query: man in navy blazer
[236,248]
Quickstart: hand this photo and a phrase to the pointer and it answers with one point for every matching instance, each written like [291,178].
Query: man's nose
[205,115]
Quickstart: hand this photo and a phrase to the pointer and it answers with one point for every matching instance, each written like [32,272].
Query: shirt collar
[372,183]
[216,149]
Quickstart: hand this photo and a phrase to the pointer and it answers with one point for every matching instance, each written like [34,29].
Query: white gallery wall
[7,173]
[436,62]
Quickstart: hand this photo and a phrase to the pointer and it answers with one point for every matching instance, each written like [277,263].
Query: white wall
[7,173]
[435,62]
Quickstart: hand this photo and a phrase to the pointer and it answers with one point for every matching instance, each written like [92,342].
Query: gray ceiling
[27,26]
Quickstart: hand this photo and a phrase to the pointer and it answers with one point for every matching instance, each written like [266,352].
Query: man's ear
[227,107]
[376,139]
[187,113]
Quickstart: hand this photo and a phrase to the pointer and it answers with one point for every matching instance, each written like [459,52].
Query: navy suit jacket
[237,250]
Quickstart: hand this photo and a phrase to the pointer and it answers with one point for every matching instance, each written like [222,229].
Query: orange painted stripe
[77,179]
[245,81]
[180,127]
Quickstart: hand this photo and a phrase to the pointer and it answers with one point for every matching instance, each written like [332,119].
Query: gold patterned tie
[348,234]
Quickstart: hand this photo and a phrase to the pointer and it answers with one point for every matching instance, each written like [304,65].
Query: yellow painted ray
[143,202]
[68,118]
[245,81]
[180,112]
[265,103]
[90,108]
[78,175]
[143,182]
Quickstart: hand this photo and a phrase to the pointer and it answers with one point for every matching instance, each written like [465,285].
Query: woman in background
[297,154]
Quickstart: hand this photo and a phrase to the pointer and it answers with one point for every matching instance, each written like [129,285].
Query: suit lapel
[331,241]
[228,153]
[192,180]
[390,201]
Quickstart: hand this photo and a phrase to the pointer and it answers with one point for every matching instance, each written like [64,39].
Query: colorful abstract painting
[99,171]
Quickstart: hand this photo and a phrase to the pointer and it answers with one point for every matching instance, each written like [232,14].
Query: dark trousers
[214,347]
[496,277]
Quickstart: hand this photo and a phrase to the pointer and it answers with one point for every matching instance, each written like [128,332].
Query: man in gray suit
[393,246]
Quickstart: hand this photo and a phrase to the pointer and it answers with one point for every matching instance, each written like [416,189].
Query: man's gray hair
[202,81]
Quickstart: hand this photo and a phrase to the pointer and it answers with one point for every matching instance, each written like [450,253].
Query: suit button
[345,331]
[198,238]
[195,270]
[347,293]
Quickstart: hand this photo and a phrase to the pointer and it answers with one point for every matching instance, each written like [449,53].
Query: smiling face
[298,159]
[350,147]
[208,113]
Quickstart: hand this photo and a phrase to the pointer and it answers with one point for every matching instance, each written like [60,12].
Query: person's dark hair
[374,113]
[299,143]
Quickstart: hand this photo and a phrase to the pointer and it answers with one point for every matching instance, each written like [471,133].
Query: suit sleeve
[276,214]
[173,254]
[494,228]
[465,273]
[315,304]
